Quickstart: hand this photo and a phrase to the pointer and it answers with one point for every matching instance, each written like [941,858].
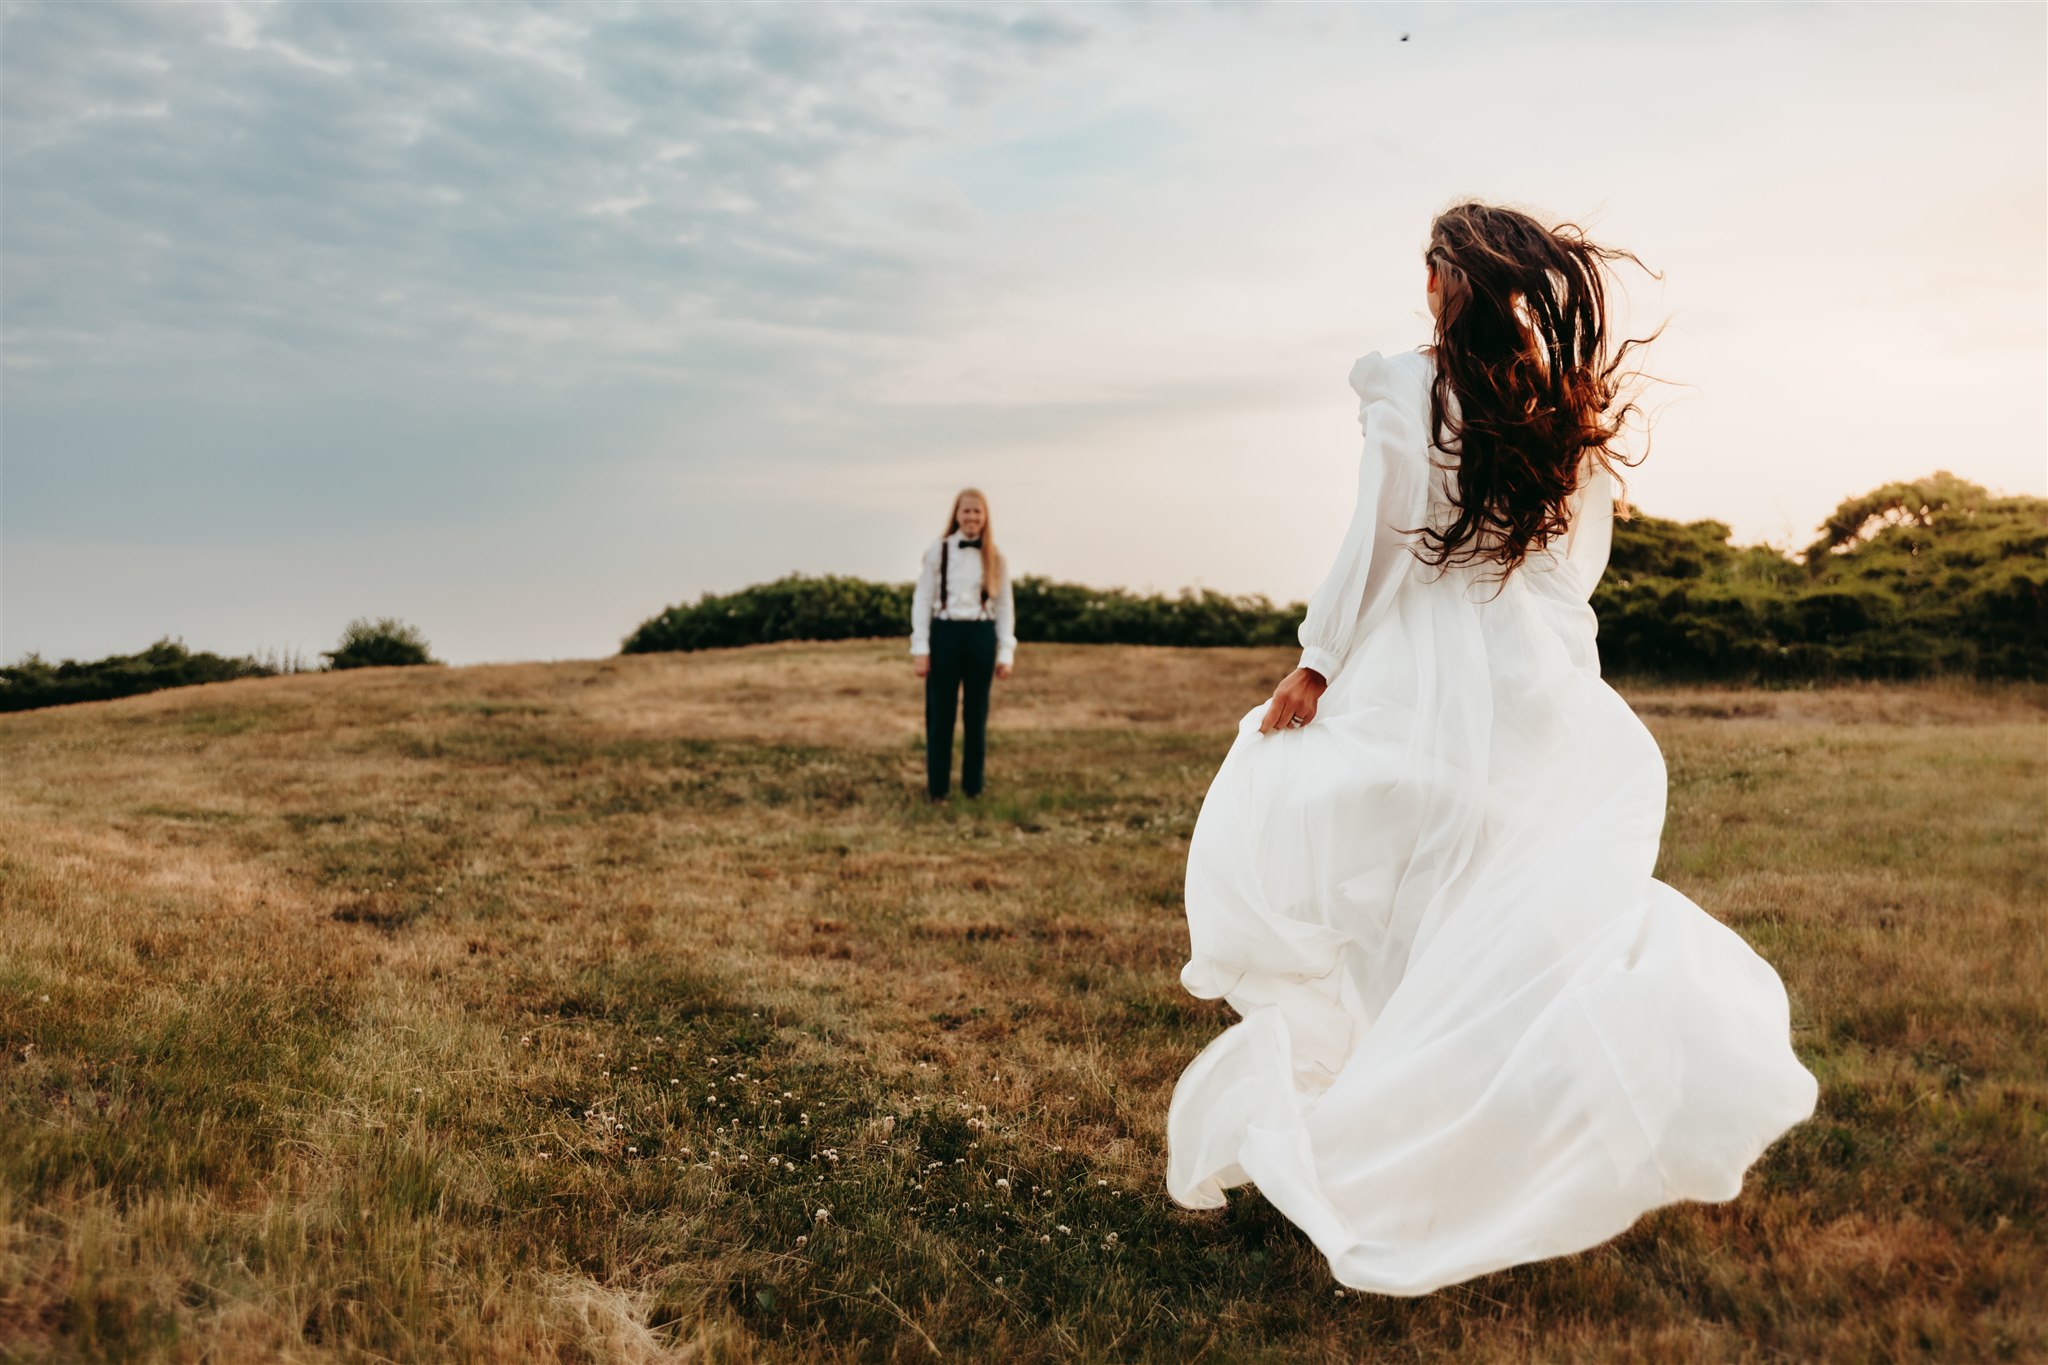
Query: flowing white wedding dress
[1475,1031]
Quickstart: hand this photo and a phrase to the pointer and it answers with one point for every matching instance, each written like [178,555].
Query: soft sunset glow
[521,324]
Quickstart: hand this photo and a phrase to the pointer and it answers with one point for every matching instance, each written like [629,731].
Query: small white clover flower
[823,1214]
[802,1240]
[1065,1231]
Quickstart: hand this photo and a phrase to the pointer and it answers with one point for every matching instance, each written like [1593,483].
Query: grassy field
[641,1009]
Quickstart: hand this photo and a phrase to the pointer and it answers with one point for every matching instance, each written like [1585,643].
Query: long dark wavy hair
[1521,341]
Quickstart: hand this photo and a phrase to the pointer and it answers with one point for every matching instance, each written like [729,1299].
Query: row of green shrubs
[33,682]
[1912,579]
[800,607]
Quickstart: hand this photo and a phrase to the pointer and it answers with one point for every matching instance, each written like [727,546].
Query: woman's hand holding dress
[1296,695]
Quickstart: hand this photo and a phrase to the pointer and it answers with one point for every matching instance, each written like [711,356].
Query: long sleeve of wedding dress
[1474,1030]
[1391,497]
[1591,538]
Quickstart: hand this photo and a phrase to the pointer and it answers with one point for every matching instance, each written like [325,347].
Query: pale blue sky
[523,323]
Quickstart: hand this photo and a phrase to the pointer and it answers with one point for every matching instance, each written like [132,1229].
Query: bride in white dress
[1475,1030]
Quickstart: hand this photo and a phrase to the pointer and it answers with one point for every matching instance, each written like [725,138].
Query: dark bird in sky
[1404,37]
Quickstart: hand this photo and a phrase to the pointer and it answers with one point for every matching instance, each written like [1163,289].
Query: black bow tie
[974,544]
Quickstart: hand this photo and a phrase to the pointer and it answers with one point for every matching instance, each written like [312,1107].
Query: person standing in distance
[963,632]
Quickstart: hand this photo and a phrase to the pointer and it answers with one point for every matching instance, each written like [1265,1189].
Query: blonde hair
[991,562]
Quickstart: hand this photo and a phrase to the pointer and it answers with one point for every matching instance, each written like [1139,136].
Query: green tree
[383,643]
[1930,576]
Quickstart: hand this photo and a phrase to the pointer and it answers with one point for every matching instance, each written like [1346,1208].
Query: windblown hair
[991,562]
[1521,343]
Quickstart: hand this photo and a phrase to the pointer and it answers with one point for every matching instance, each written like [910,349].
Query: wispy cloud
[627,302]
[195,190]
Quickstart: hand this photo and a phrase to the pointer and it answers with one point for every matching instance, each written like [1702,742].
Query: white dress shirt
[963,598]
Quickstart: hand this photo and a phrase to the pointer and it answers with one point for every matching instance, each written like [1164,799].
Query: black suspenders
[945,563]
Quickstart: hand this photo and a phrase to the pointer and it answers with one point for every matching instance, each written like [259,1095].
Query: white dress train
[1475,1030]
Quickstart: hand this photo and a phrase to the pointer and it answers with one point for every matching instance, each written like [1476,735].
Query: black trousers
[963,660]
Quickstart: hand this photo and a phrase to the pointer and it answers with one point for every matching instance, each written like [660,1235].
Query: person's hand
[1004,670]
[921,664]
[1296,695]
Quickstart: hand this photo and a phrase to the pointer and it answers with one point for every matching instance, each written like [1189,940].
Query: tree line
[34,682]
[1916,579]
[1934,576]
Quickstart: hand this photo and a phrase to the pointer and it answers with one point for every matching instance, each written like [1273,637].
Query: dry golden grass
[531,1013]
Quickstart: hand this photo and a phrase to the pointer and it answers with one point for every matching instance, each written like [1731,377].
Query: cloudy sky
[522,323]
